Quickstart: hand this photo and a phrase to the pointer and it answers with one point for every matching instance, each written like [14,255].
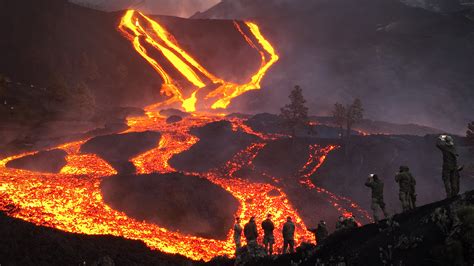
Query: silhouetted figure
[407,183]
[237,234]
[451,170]
[320,232]
[350,223]
[340,223]
[250,230]
[268,238]
[288,236]
[376,185]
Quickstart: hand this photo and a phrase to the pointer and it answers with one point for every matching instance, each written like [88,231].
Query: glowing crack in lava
[140,29]
[72,201]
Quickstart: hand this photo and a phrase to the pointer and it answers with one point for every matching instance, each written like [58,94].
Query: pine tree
[339,115]
[355,113]
[295,113]
[347,116]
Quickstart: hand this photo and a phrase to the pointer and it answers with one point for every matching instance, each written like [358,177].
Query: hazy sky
[181,8]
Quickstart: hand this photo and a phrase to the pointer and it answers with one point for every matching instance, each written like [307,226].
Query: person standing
[250,231]
[407,183]
[237,234]
[340,223]
[376,185]
[450,172]
[320,232]
[268,238]
[351,223]
[288,236]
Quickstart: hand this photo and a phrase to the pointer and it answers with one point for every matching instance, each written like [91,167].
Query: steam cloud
[180,8]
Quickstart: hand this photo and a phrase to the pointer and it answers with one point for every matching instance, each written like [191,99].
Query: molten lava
[71,200]
[140,29]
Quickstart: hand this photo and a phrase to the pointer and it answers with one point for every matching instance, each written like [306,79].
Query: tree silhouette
[295,113]
[355,113]
[347,116]
[339,115]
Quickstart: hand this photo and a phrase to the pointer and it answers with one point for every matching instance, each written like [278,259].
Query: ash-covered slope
[217,144]
[408,65]
[346,169]
[184,203]
[436,234]
[23,243]
[54,41]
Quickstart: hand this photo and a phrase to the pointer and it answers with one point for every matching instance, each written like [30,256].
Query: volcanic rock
[118,149]
[250,252]
[88,49]
[24,243]
[178,202]
[427,235]
[266,122]
[173,112]
[274,124]
[346,169]
[365,54]
[239,115]
[283,157]
[173,119]
[274,193]
[44,161]
[378,127]
[217,144]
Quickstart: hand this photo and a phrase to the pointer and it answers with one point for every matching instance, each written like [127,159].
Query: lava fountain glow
[71,200]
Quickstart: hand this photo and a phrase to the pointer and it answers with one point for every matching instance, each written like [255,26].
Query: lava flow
[72,201]
[139,28]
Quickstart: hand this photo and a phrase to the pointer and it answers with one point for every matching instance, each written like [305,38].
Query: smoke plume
[180,8]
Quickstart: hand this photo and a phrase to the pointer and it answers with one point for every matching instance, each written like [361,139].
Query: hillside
[56,41]
[23,243]
[408,65]
[436,234]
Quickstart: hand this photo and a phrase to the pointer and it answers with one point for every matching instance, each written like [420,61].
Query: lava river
[71,200]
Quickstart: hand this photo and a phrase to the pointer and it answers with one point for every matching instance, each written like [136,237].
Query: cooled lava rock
[175,201]
[283,157]
[346,169]
[217,144]
[265,122]
[45,161]
[173,112]
[24,243]
[118,149]
[274,124]
[174,119]
[417,237]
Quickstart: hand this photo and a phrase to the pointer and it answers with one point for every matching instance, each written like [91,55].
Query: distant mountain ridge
[408,65]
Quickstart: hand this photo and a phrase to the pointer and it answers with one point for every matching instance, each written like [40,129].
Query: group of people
[251,234]
[407,196]
[407,182]
[346,223]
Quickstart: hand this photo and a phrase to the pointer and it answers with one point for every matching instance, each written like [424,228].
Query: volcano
[178,172]
[89,48]
[401,59]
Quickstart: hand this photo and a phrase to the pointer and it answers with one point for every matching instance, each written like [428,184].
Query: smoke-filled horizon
[179,8]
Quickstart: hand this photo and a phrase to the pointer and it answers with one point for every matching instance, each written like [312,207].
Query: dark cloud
[181,8]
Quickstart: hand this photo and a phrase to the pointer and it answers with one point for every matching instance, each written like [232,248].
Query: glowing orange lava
[71,200]
[139,29]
